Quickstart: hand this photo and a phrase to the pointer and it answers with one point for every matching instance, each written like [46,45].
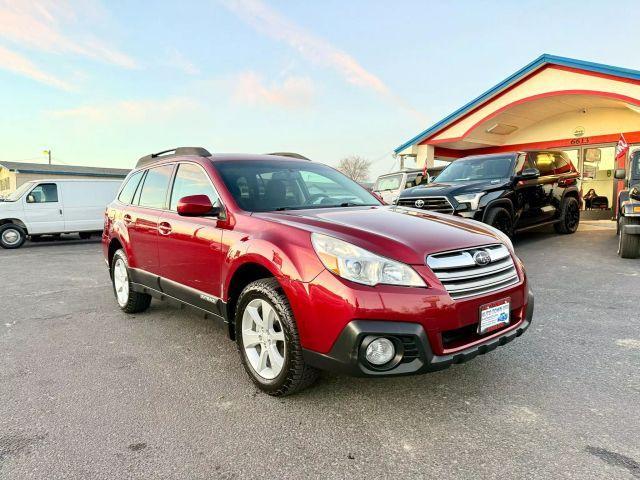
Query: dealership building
[555,103]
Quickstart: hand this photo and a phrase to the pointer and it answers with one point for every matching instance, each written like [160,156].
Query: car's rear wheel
[128,300]
[501,219]
[628,245]
[12,236]
[268,340]
[569,216]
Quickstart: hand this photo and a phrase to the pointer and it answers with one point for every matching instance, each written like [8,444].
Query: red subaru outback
[309,270]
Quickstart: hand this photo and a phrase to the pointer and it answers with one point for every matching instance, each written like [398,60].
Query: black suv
[509,191]
[629,210]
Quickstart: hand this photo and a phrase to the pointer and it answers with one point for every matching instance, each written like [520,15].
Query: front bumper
[346,355]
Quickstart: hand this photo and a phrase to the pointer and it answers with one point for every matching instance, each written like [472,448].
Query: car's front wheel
[501,219]
[268,340]
[628,245]
[569,216]
[12,236]
[128,300]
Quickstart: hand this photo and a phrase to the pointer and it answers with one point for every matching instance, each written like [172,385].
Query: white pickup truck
[46,207]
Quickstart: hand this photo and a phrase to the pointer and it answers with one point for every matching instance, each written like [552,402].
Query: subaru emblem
[419,203]
[482,258]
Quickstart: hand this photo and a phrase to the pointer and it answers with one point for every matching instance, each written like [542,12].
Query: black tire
[12,236]
[133,302]
[295,375]
[569,216]
[85,235]
[628,245]
[501,219]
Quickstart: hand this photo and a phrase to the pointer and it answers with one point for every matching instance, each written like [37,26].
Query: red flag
[621,148]
[424,169]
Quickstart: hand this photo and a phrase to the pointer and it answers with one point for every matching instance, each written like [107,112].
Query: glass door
[598,185]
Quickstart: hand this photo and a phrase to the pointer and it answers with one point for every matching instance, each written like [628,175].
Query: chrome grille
[462,277]
[434,204]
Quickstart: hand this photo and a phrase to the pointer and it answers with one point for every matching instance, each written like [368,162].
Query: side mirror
[620,173]
[31,198]
[529,174]
[197,206]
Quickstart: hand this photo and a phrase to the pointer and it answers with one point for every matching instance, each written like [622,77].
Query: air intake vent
[463,277]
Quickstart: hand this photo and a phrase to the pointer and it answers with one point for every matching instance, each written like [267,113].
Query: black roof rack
[290,154]
[196,151]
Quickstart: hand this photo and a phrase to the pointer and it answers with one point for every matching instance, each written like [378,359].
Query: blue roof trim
[542,60]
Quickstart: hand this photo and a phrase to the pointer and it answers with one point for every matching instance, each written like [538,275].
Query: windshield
[22,189]
[268,185]
[478,168]
[391,182]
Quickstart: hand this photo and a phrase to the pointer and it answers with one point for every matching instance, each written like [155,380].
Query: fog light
[380,351]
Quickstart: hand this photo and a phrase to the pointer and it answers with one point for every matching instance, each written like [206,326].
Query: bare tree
[355,167]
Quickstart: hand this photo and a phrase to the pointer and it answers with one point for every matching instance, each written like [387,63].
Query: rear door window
[545,162]
[155,187]
[129,189]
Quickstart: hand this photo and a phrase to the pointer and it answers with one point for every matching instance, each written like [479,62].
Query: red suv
[309,270]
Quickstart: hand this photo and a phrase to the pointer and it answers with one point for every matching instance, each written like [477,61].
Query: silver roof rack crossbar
[290,154]
[196,151]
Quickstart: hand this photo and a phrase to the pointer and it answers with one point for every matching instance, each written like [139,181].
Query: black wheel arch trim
[499,202]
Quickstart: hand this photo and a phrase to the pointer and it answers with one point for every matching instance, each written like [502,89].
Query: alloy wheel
[263,338]
[121,282]
[573,216]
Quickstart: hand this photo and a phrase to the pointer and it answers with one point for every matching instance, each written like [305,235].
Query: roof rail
[196,151]
[290,154]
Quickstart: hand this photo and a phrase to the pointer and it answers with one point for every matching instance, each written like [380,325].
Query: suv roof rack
[290,154]
[196,151]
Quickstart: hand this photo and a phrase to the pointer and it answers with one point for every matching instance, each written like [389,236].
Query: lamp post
[48,153]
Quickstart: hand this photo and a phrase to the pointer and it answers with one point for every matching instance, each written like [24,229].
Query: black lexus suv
[509,191]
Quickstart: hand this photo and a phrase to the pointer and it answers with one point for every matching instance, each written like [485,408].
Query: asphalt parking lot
[88,392]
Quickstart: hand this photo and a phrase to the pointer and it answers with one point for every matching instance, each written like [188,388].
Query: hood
[440,189]
[10,206]
[403,234]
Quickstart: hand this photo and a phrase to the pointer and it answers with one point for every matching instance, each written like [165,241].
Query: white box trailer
[46,207]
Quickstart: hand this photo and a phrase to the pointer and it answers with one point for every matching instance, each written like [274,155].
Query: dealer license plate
[494,315]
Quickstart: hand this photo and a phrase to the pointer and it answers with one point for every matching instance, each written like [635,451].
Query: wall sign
[579,141]
[578,132]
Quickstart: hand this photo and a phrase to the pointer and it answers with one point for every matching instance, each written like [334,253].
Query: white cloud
[177,60]
[16,63]
[293,92]
[44,25]
[266,20]
[133,111]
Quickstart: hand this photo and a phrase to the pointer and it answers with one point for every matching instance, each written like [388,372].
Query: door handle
[127,219]
[164,228]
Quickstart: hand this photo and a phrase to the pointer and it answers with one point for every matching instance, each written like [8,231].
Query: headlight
[471,198]
[361,266]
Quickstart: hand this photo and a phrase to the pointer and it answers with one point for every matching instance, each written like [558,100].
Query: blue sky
[103,83]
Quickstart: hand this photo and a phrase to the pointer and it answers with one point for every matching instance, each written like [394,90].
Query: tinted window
[43,193]
[191,180]
[477,168]
[154,189]
[545,162]
[269,185]
[129,189]
[561,164]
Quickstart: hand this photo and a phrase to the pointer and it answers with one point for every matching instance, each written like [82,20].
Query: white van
[45,207]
